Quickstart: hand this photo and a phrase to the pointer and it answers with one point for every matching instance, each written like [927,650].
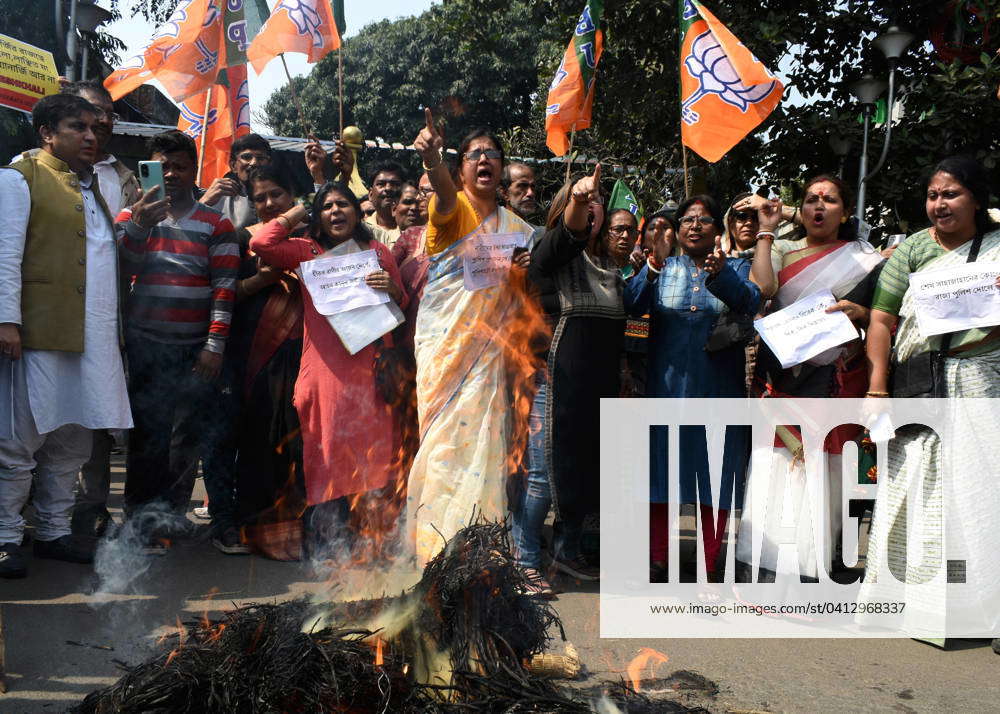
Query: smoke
[121,561]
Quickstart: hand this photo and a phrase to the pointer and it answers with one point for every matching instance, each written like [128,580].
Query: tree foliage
[35,24]
[490,61]
[155,11]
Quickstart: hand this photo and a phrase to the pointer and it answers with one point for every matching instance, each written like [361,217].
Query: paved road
[54,604]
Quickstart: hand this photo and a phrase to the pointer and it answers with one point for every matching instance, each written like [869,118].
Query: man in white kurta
[50,400]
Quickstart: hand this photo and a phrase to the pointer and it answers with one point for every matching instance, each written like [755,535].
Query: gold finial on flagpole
[355,141]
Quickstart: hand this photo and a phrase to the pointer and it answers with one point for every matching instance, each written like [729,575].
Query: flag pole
[687,183]
[340,82]
[204,133]
[572,133]
[569,153]
[295,95]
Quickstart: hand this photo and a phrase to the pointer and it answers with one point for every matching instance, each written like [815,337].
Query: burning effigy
[460,640]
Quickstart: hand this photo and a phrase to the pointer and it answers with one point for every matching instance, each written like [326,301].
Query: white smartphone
[150,174]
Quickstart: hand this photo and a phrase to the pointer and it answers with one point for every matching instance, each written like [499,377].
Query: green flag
[622,197]
[242,22]
[338,16]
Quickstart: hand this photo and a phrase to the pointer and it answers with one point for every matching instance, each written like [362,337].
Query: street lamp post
[71,43]
[841,146]
[85,16]
[891,43]
[867,91]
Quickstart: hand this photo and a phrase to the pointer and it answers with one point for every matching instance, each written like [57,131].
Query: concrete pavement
[55,605]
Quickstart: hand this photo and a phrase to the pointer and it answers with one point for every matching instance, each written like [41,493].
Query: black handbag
[923,375]
[730,329]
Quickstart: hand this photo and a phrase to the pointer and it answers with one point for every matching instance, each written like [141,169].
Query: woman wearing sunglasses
[460,343]
[690,299]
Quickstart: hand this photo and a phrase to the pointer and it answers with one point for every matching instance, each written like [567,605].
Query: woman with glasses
[739,241]
[692,300]
[833,259]
[740,236]
[461,341]
[575,270]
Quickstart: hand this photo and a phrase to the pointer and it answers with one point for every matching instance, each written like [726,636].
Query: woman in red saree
[829,258]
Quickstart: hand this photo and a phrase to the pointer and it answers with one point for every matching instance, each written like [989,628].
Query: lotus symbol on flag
[307,20]
[715,74]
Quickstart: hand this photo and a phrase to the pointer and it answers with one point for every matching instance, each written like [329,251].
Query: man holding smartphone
[61,372]
[180,309]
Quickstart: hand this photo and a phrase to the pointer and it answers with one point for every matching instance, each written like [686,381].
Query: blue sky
[135,33]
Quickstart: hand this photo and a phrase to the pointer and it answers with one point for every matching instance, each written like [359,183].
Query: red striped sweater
[185,277]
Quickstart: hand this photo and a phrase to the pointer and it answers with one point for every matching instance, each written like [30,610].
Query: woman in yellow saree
[461,467]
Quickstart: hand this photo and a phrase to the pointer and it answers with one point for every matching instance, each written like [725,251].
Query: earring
[843,219]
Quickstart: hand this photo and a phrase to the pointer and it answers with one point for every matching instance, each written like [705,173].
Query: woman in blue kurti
[701,307]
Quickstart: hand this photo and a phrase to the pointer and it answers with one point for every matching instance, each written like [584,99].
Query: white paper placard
[361,326]
[487,258]
[959,297]
[803,329]
[336,283]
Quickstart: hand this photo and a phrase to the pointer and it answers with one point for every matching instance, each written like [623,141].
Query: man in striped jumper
[179,313]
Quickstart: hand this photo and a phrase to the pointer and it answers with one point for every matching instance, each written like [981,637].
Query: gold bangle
[431,168]
[876,394]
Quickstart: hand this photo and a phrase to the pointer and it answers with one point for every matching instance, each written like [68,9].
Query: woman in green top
[966,515]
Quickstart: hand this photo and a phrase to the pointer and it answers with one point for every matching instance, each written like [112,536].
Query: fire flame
[216,633]
[646,656]
[378,652]
[375,515]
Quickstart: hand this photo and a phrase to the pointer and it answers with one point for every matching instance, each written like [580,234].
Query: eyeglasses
[622,230]
[425,192]
[703,220]
[744,215]
[477,154]
[248,156]
[102,115]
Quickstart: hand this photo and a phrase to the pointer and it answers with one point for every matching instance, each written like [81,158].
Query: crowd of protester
[176,316]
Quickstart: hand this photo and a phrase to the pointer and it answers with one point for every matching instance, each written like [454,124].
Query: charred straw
[256,659]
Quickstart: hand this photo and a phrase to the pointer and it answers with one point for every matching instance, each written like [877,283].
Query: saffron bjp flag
[725,91]
[228,99]
[184,54]
[305,26]
[228,119]
[571,94]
